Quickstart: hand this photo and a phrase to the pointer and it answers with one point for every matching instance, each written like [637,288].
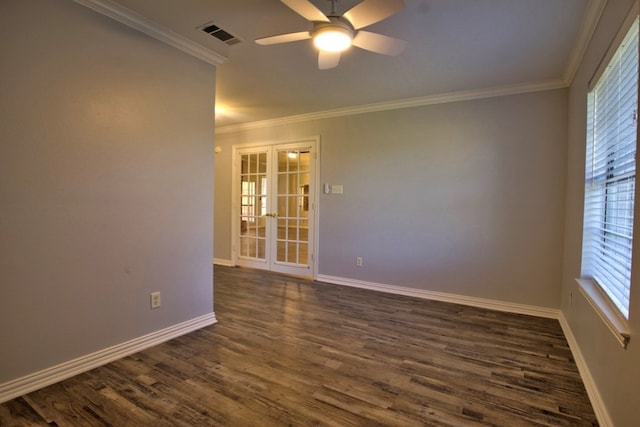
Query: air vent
[220,34]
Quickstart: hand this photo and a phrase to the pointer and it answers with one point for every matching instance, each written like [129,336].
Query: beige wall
[464,198]
[105,184]
[615,371]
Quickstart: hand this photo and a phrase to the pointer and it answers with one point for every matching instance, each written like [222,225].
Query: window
[250,199]
[610,173]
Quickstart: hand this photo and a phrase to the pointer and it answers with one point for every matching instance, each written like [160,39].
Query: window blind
[610,173]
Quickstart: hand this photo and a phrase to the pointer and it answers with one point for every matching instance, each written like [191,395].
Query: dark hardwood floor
[288,352]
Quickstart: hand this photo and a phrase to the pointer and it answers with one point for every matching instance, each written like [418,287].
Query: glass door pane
[293,178]
[253,205]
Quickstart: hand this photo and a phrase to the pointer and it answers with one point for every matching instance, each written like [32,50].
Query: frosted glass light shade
[333,39]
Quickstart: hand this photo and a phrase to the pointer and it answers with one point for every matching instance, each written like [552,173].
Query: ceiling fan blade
[378,43]
[307,10]
[328,60]
[284,38]
[371,11]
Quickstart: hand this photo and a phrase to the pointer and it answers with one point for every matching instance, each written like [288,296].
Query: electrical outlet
[155,300]
[358,261]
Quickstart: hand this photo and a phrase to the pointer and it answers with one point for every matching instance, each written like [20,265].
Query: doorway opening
[274,207]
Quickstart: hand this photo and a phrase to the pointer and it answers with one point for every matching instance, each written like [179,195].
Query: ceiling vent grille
[220,34]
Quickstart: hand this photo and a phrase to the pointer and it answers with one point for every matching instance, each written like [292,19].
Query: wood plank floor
[289,352]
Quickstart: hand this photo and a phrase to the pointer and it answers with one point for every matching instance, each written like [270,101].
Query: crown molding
[403,103]
[589,23]
[138,22]
[588,27]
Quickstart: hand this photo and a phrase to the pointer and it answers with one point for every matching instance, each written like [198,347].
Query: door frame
[314,141]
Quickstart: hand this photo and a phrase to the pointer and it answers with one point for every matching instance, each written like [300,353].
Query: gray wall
[465,198]
[106,184]
[616,372]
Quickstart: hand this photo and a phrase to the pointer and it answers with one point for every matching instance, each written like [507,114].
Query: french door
[274,207]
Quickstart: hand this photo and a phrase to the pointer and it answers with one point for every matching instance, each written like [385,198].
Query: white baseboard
[592,390]
[445,297]
[224,262]
[54,374]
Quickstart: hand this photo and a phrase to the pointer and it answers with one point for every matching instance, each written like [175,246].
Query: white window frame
[606,263]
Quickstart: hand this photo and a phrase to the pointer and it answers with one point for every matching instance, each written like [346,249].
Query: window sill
[614,320]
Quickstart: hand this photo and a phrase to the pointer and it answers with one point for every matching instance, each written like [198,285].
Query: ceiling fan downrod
[334,13]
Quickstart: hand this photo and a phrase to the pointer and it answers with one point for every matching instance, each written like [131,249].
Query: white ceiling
[454,46]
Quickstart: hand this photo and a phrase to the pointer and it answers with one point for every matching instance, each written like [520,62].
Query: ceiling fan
[334,33]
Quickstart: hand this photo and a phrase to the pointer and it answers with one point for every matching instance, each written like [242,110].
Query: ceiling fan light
[333,39]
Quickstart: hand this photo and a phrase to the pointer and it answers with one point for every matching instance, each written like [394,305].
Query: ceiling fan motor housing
[333,36]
